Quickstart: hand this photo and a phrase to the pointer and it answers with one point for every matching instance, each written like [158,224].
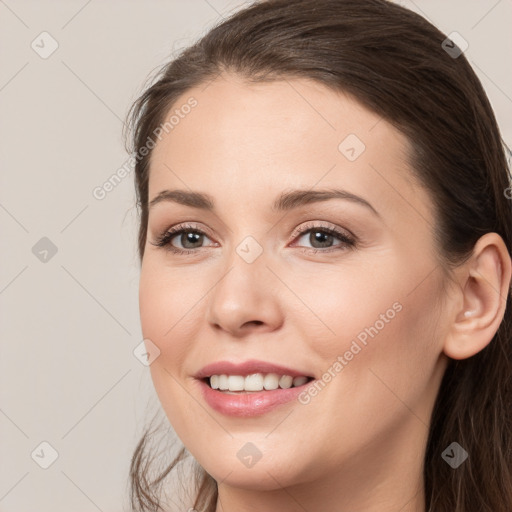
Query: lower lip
[249,404]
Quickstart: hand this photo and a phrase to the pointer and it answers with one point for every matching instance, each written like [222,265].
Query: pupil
[192,238]
[323,238]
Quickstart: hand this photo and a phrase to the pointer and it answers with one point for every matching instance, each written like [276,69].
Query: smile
[255,382]
[245,403]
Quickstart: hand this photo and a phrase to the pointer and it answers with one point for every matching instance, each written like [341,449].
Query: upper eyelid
[309,225]
[188,227]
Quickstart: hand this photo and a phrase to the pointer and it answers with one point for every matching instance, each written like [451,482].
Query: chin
[270,472]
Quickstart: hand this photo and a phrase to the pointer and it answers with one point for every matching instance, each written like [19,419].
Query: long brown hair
[395,63]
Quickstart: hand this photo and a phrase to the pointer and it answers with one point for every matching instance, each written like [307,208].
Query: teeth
[299,381]
[271,381]
[285,382]
[255,382]
[223,382]
[236,383]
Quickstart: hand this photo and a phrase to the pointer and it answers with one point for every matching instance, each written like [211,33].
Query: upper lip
[246,368]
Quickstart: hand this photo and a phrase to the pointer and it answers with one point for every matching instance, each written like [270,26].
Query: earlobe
[484,285]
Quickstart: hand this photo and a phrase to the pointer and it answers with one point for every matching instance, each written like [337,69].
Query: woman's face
[356,307]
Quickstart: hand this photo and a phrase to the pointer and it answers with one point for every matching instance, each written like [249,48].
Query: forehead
[254,140]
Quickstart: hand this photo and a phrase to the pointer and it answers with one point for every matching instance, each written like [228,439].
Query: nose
[246,299]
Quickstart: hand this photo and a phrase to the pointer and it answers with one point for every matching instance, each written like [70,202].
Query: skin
[358,445]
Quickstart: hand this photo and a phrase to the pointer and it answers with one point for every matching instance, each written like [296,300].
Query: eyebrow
[286,201]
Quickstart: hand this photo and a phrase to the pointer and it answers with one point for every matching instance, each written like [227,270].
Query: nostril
[255,322]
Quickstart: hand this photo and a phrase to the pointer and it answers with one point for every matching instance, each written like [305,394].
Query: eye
[323,237]
[189,237]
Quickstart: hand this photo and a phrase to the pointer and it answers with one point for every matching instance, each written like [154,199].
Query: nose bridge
[246,290]
[248,256]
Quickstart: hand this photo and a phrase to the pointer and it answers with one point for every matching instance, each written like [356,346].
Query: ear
[484,286]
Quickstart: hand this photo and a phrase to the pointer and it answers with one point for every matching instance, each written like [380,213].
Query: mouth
[254,383]
[251,387]
[251,395]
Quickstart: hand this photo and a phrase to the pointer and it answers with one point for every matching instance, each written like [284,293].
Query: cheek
[169,309]
[375,336]
[345,305]
[168,302]
[378,367]
[169,306]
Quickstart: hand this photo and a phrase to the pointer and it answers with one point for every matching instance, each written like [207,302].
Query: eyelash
[348,241]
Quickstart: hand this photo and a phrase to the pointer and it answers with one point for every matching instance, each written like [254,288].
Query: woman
[325,242]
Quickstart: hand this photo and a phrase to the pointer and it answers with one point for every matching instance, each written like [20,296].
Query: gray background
[69,323]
